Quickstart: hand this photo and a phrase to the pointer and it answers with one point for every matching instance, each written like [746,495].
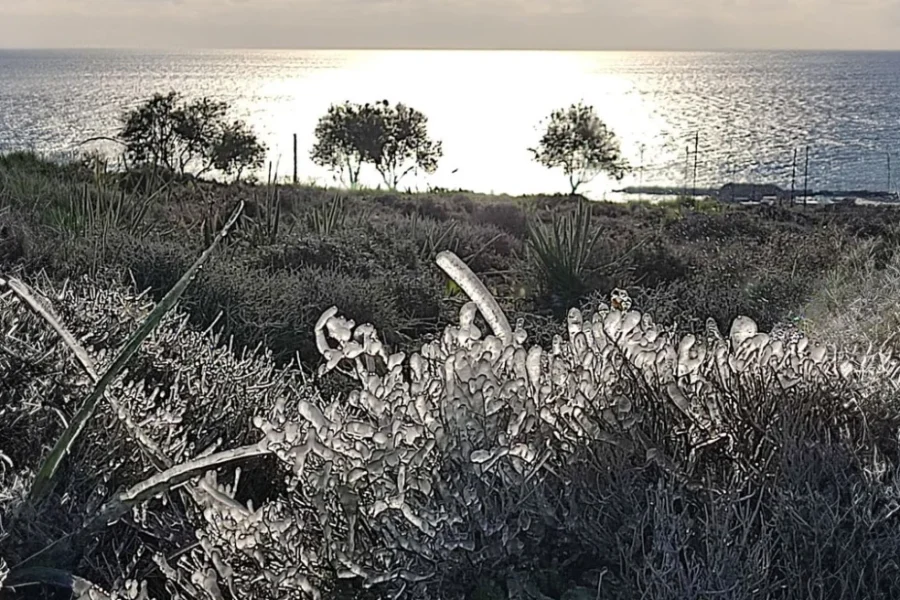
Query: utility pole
[295,159]
[733,181]
[696,151]
[806,177]
[793,175]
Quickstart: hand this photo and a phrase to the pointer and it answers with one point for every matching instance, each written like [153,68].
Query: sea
[829,120]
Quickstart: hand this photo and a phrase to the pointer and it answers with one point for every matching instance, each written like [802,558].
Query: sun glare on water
[485,106]
[751,113]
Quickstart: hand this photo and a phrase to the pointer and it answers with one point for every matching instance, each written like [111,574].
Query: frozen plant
[413,474]
[460,455]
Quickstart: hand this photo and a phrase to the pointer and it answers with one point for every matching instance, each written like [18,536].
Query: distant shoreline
[876,195]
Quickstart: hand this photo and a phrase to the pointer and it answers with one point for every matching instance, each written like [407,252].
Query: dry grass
[858,304]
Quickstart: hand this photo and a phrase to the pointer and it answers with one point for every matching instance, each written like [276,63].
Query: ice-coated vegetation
[626,460]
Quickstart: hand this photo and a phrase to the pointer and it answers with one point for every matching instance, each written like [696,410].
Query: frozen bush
[627,452]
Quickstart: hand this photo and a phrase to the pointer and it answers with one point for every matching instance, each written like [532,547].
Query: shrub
[653,261]
[508,217]
[626,461]
[274,298]
[16,238]
[856,304]
[725,227]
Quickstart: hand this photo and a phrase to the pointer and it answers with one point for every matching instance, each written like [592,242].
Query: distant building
[751,192]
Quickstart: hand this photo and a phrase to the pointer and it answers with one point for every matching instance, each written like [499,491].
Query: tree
[237,149]
[165,132]
[393,139]
[405,145]
[199,127]
[578,142]
[339,141]
[148,132]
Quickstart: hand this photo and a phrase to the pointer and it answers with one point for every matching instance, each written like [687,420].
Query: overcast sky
[514,24]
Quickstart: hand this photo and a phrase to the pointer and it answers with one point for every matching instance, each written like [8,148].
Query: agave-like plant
[561,250]
[326,219]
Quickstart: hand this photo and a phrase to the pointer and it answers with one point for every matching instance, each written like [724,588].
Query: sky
[463,24]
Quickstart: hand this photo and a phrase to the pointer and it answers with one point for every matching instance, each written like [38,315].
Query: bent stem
[463,276]
[44,479]
[120,504]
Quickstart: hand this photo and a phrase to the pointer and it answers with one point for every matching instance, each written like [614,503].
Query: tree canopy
[183,137]
[393,139]
[575,140]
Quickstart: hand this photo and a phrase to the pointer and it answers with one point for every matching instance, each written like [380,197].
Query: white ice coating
[490,404]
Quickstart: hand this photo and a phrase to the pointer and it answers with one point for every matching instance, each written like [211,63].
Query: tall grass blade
[44,479]
[123,502]
[36,576]
[30,299]
[273,231]
[325,219]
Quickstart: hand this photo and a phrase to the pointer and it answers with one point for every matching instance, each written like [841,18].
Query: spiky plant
[325,219]
[561,251]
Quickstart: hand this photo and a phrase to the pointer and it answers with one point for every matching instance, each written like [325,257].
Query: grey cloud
[563,24]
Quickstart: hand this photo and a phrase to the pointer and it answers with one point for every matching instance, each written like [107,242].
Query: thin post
[793,175]
[295,159]
[806,177]
[733,168]
[641,177]
[889,172]
[696,148]
[687,163]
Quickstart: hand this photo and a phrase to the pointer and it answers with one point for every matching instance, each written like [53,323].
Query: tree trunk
[575,184]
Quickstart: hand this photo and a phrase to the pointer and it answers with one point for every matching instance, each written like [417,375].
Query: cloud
[563,24]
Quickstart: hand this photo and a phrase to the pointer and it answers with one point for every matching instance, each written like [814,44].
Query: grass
[800,501]
[299,250]
[858,304]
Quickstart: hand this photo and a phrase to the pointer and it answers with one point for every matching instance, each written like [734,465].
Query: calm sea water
[751,110]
